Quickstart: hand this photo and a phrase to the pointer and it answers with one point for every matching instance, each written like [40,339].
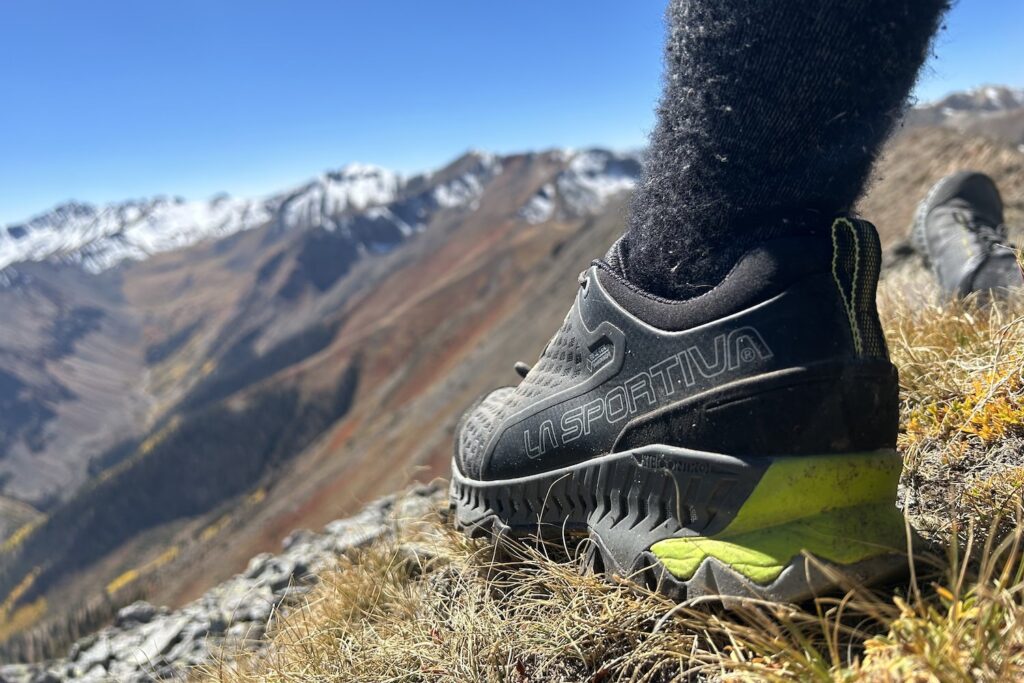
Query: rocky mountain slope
[253,383]
[146,643]
[76,299]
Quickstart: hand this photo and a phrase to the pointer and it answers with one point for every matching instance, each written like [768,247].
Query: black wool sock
[771,114]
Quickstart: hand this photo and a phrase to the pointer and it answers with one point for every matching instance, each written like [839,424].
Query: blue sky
[107,100]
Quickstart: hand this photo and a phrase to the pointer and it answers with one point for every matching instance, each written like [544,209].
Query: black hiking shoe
[959,230]
[705,445]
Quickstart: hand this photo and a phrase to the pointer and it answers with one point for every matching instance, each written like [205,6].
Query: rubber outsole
[631,504]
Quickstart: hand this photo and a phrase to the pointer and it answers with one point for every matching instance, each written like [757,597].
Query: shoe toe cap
[475,428]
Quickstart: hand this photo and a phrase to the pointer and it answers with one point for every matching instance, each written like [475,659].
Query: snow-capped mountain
[589,180]
[355,187]
[989,98]
[992,110]
[99,238]
[376,206]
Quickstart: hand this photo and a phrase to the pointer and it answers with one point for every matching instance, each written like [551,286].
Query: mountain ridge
[238,278]
[253,361]
[101,237]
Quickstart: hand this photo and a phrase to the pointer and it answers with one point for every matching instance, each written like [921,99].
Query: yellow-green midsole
[839,508]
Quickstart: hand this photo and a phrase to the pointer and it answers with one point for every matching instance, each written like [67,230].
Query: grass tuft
[435,606]
[962,405]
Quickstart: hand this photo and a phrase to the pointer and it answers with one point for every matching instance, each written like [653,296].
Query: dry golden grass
[962,389]
[431,605]
[434,606]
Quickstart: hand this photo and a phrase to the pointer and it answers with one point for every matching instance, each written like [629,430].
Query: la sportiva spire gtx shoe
[740,443]
[958,229]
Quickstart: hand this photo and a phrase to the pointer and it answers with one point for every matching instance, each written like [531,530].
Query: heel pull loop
[856,261]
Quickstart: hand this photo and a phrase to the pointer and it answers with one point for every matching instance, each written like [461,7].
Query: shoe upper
[959,230]
[785,356]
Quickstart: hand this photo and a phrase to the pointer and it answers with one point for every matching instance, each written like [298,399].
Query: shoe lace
[991,237]
[523,369]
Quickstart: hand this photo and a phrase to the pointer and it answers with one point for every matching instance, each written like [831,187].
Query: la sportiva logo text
[646,389]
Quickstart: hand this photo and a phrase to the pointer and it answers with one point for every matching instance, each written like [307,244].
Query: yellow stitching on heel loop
[849,303]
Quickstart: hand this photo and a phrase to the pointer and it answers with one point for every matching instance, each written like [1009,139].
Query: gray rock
[413,508]
[190,652]
[96,673]
[297,537]
[160,639]
[245,630]
[421,501]
[246,601]
[140,612]
[148,643]
[81,646]
[290,594]
[257,565]
[21,673]
[216,625]
[313,554]
[357,531]
[99,653]
[278,572]
[17,673]
[117,671]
